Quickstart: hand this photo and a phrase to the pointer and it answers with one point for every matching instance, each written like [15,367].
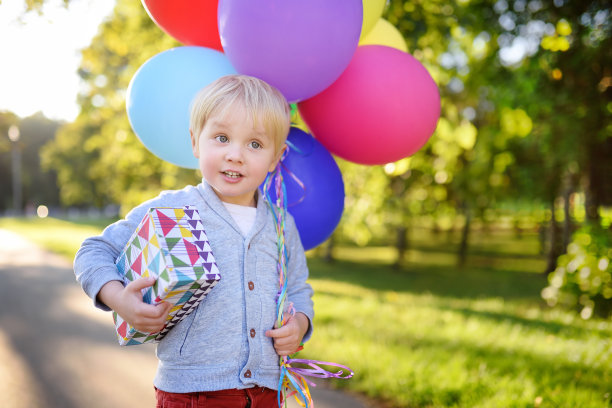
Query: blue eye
[255,145]
[221,138]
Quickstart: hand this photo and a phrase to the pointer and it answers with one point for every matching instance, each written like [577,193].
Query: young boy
[226,352]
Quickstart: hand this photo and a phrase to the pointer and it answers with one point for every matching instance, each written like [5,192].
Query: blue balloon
[317,204]
[159,99]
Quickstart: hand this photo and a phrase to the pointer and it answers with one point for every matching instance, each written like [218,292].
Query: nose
[234,154]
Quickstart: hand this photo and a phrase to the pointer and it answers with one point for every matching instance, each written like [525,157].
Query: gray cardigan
[222,343]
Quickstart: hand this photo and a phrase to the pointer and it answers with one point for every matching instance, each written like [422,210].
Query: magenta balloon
[299,46]
[384,107]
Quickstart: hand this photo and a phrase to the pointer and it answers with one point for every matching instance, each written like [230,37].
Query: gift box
[171,245]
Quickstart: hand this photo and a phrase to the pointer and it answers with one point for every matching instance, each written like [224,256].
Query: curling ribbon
[295,178]
[292,381]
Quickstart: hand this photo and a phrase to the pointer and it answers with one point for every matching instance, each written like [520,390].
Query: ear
[194,145]
[277,158]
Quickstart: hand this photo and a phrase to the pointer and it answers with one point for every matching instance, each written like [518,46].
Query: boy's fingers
[152,323]
[164,308]
[285,343]
[148,311]
[155,311]
[149,328]
[282,332]
[285,351]
[140,284]
[286,330]
[278,345]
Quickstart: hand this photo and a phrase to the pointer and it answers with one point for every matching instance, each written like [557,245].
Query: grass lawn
[60,236]
[433,335]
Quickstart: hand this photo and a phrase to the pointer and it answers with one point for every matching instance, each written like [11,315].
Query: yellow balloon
[385,33]
[372,10]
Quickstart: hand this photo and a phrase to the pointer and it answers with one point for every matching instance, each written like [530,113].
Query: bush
[583,278]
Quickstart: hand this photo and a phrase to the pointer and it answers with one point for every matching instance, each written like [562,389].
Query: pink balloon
[383,107]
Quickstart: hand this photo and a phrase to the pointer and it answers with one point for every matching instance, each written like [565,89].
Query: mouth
[231,174]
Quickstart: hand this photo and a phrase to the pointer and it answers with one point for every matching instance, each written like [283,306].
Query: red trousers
[257,397]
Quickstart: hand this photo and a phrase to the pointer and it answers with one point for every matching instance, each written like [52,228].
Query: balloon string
[317,371]
[293,147]
[291,381]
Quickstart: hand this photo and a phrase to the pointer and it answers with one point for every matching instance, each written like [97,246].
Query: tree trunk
[401,245]
[567,219]
[591,205]
[554,241]
[542,237]
[465,233]
[518,231]
[597,186]
[450,235]
[329,250]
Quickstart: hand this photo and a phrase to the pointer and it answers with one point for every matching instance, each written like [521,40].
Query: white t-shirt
[243,215]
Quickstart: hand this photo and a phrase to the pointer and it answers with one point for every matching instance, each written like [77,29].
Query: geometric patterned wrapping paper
[169,244]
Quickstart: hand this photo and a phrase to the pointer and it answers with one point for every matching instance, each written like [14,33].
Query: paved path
[58,351]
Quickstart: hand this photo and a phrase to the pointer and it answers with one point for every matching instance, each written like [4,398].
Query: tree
[523,115]
[7,119]
[98,158]
[498,65]
[571,111]
[456,169]
[38,186]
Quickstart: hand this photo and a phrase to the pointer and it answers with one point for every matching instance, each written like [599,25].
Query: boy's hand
[287,339]
[127,302]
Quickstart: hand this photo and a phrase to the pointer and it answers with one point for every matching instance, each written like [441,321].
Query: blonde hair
[264,102]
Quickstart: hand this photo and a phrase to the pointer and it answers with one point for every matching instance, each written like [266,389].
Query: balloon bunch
[362,96]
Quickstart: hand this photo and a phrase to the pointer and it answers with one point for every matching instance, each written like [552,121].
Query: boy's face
[235,156]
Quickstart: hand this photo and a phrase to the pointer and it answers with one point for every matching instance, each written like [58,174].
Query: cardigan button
[247,374]
[251,285]
[252,332]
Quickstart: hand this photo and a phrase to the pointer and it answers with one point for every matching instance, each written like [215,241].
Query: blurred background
[474,273]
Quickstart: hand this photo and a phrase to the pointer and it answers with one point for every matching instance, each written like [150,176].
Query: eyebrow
[223,124]
[218,122]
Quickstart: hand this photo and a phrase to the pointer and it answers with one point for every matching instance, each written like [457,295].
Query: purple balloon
[299,46]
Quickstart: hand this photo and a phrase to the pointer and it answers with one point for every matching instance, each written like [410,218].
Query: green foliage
[37,5]
[38,186]
[364,215]
[583,277]
[507,130]
[98,159]
[511,128]
[6,120]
